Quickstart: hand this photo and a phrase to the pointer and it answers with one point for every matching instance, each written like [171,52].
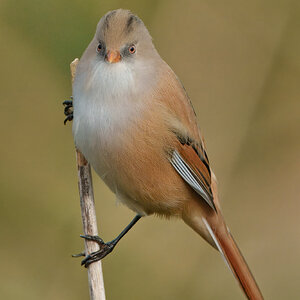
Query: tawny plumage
[135,124]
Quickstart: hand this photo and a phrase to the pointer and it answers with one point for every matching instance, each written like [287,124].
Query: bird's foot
[105,248]
[79,254]
[68,110]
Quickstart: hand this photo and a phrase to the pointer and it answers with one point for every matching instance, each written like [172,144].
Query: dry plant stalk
[88,213]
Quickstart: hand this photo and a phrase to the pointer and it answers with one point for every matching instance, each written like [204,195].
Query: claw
[67,102]
[68,110]
[94,238]
[68,118]
[105,249]
[79,254]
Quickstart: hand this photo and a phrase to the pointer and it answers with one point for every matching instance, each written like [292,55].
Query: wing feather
[190,160]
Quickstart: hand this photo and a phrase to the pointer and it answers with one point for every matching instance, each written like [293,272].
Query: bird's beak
[113,56]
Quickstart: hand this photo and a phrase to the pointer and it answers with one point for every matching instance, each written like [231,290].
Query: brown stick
[88,213]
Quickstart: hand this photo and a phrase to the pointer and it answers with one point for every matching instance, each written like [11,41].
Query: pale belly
[126,150]
[99,133]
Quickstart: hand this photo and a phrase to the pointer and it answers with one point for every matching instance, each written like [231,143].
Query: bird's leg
[105,248]
[68,110]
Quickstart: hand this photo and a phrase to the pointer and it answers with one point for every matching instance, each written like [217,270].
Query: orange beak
[113,56]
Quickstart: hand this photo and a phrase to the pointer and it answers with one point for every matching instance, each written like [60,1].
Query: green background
[240,63]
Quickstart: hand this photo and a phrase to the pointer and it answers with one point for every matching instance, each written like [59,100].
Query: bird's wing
[190,160]
[188,157]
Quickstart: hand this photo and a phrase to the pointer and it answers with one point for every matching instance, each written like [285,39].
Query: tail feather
[235,261]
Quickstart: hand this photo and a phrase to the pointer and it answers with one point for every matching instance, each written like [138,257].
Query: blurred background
[240,63]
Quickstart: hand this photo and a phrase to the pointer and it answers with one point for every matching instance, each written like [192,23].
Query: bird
[136,126]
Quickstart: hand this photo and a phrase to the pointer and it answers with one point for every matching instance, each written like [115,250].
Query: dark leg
[68,111]
[105,248]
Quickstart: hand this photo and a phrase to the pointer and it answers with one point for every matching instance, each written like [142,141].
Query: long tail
[235,261]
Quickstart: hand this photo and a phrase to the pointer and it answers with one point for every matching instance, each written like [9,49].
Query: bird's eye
[132,49]
[99,47]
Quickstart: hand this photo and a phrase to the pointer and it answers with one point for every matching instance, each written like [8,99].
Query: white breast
[106,102]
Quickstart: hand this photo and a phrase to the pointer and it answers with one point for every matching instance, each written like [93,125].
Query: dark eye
[132,49]
[99,47]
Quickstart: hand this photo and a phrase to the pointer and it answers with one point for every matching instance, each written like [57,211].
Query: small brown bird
[135,124]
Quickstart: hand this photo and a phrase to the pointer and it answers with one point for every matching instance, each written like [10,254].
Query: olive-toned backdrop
[240,63]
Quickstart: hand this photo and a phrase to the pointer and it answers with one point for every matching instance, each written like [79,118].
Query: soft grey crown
[119,29]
